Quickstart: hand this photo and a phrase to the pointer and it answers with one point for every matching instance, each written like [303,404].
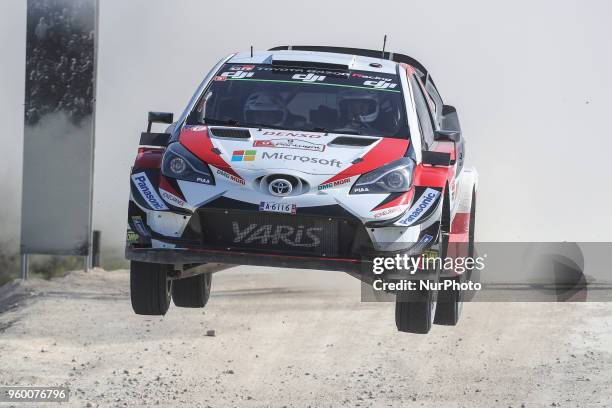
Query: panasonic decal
[420,207]
[148,192]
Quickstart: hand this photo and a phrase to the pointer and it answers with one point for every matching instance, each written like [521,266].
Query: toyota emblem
[280,187]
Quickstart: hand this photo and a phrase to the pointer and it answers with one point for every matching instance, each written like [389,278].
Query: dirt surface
[296,338]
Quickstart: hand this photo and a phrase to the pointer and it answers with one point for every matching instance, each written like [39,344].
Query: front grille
[277,233]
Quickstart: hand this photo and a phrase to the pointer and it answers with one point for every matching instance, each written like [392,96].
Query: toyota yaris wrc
[303,157]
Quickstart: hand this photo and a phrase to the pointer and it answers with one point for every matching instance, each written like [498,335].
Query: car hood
[246,149]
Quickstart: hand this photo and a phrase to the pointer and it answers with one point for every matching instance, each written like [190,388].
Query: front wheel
[450,301]
[150,288]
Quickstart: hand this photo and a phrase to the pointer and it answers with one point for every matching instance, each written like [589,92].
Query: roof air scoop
[313,62]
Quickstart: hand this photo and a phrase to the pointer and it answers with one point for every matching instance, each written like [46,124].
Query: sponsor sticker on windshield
[311,76]
[284,208]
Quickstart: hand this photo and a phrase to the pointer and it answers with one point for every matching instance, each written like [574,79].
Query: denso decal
[334,184]
[230,177]
[300,236]
[171,198]
[419,207]
[303,159]
[290,144]
[148,192]
[291,134]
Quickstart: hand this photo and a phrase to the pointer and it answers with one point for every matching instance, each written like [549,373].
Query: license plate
[277,207]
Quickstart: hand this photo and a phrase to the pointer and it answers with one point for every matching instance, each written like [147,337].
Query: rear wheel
[193,291]
[450,302]
[150,288]
[415,310]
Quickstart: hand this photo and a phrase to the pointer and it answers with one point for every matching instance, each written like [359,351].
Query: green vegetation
[49,266]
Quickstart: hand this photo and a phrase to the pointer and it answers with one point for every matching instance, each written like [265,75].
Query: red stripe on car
[198,142]
[386,151]
[165,185]
[431,176]
[401,200]
[149,158]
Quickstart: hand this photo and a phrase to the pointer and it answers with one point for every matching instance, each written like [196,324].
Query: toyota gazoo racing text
[303,157]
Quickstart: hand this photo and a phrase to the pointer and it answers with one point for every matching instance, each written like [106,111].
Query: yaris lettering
[300,236]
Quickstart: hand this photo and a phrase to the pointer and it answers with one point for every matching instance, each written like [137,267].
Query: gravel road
[296,338]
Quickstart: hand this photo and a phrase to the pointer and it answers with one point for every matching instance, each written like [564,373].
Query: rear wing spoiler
[391,56]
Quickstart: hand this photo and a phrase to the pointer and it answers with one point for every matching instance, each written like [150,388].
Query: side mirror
[447,135]
[159,117]
[436,158]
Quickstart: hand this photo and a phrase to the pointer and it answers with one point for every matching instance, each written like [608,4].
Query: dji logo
[238,74]
[380,84]
[309,77]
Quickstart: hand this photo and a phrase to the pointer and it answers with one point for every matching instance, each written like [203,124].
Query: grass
[50,266]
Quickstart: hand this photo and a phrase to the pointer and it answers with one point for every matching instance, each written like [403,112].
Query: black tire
[450,302]
[150,288]
[193,291]
[415,310]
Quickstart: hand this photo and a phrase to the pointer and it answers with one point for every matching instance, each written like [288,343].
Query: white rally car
[302,157]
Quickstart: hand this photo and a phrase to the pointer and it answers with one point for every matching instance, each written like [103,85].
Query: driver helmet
[361,107]
[265,108]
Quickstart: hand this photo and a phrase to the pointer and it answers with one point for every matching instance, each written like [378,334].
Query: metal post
[95,249]
[24,266]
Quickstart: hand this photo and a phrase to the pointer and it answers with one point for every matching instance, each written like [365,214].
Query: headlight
[392,178]
[180,163]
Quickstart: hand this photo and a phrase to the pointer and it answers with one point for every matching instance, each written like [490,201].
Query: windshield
[352,102]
